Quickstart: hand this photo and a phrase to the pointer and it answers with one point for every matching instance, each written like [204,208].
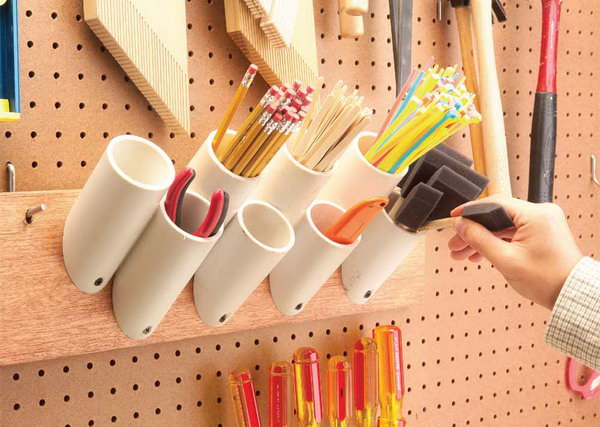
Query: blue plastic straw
[449,115]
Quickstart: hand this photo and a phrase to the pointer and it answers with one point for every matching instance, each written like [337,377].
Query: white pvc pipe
[383,248]
[252,244]
[356,179]
[211,175]
[289,185]
[312,260]
[115,205]
[159,266]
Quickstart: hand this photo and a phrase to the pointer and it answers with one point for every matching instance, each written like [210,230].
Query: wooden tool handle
[356,7]
[350,26]
[494,138]
[465,32]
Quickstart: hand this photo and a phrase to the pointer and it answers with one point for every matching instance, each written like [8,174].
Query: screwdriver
[244,398]
[281,394]
[391,375]
[308,387]
[339,391]
[366,401]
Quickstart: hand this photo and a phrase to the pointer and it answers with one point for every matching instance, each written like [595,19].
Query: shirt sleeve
[574,327]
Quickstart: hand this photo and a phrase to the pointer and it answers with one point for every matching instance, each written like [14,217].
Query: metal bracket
[12,177]
[593,169]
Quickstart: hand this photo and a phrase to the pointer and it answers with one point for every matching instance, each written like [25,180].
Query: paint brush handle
[491,215]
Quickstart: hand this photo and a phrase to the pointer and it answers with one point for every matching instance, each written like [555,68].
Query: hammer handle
[543,127]
[494,138]
[465,32]
[350,26]
[549,49]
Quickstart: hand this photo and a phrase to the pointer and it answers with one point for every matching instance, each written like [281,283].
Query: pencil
[240,93]
[256,144]
[293,120]
[238,150]
[273,94]
[262,154]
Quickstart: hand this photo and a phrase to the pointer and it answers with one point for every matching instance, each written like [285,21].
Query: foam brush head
[418,206]
[456,190]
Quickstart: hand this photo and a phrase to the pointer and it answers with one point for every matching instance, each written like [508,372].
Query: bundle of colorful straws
[432,105]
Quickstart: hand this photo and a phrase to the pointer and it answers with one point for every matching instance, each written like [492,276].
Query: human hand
[535,257]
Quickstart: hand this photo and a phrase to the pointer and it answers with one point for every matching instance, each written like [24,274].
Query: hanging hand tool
[465,32]
[494,137]
[401,20]
[10,98]
[543,128]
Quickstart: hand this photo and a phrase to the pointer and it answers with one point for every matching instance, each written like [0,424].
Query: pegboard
[474,351]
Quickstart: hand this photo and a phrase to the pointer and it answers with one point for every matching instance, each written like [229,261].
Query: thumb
[482,240]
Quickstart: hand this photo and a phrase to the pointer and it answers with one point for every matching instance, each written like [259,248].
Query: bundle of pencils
[275,118]
[329,127]
[432,105]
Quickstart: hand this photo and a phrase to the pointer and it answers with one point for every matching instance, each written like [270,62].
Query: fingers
[476,257]
[456,243]
[462,254]
[512,206]
[480,240]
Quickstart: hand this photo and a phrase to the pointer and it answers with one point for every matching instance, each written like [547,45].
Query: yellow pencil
[239,149]
[256,144]
[273,94]
[240,93]
[252,169]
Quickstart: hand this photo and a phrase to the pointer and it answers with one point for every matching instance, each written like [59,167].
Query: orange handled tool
[350,225]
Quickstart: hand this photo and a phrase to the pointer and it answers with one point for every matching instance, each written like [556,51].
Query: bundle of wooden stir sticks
[277,116]
[329,127]
[318,131]
[432,105]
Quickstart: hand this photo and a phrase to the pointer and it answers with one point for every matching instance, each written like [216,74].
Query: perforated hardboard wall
[473,350]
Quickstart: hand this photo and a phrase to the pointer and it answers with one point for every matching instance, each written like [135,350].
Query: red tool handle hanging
[543,128]
[549,50]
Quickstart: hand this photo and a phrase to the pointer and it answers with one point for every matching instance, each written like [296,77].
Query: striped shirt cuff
[574,327]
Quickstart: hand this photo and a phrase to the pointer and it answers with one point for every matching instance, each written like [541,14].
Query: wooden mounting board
[148,39]
[44,316]
[276,65]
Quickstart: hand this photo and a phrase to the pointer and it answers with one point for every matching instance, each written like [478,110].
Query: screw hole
[298,307]
[368,294]
[99,281]
[147,330]
[222,318]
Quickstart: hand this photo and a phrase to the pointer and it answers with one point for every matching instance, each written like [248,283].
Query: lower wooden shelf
[44,316]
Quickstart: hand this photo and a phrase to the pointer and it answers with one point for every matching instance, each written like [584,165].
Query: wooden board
[43,315]
[148,39]
[276,65]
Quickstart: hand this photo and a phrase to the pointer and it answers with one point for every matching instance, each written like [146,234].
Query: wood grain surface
[44,316]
